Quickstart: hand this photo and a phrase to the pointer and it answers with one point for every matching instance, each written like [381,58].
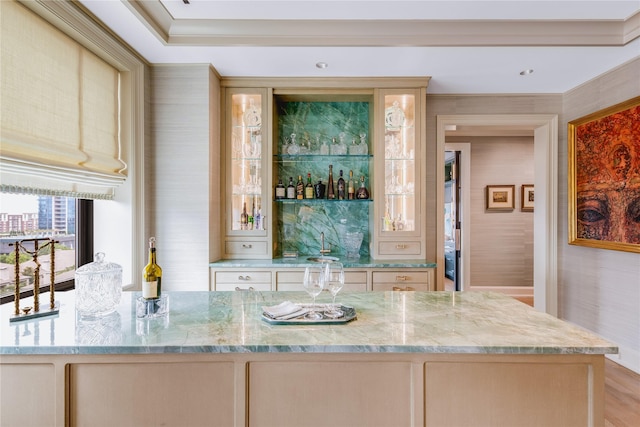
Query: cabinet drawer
[399,248]
[421,287]
[354,281]
[401,277]
[243,286]
[241,278]
[249,248]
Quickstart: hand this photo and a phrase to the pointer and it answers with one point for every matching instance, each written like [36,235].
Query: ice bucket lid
[99,266]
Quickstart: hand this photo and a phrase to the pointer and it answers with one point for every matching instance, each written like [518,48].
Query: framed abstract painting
[604,178]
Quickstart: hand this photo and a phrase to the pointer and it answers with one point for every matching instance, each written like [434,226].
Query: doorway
[545,131]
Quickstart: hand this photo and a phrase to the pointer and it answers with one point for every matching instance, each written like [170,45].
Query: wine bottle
[280,190]
[352,186]
[362,193]
[330,189]
[308,190]
[341,187]
[244,218]
[152,274]
[299,188]
[291,189]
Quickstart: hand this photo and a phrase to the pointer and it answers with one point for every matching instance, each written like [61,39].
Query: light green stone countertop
[302,261]
[230,322]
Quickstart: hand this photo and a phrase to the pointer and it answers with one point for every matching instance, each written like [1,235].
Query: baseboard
[626,357]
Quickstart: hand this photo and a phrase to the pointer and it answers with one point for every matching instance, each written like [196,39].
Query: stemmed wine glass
[334,281]
[314,278]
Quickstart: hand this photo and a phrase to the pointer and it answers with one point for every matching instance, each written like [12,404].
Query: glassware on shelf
[334,281]
[364,148]
[314,278]
[252,115]
[394,116]
[293,147]
[352,242]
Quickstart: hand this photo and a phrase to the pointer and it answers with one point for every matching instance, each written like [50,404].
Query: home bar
[407,359]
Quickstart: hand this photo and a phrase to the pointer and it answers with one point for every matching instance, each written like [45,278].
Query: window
[24,217]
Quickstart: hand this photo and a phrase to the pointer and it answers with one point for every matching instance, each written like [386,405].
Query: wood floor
[621,396]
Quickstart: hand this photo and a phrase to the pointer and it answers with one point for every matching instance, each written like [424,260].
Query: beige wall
[184,140]
[599,289]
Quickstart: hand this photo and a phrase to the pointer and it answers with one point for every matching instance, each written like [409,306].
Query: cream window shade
[59,111]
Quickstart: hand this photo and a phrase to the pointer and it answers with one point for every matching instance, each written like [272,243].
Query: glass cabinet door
[247,208]
[399,163]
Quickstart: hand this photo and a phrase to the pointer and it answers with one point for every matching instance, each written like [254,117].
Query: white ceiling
[472,46]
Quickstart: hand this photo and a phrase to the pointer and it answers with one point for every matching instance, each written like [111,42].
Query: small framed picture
[526,198]
[500,197]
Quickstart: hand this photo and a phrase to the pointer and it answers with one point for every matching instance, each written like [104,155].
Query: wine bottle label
[150,290]
[280,192]
[291,193]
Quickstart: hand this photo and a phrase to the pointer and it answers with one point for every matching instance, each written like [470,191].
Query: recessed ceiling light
[321,65]
[526,72]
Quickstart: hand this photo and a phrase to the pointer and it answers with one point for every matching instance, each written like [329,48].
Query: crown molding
[382,33]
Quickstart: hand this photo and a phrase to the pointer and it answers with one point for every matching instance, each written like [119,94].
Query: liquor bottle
[319,190]
[244,218]
[152,274]
[352,186]
[299,188]
[257,219]
[330,189]
[362,193]
[308,190]
[291,189]
[341,187]
[280,190]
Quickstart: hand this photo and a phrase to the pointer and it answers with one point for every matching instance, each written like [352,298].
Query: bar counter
[409,359]
[230,322]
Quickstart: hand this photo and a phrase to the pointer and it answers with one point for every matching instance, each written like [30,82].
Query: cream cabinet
[400,207]
[298,130]
[245,174]
[357,279]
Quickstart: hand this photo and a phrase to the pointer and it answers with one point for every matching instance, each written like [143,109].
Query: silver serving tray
[349,315]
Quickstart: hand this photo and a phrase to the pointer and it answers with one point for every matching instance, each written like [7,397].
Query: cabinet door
[400,210]
[246,176]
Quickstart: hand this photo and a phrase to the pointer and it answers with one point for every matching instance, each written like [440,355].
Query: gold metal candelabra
[26,313]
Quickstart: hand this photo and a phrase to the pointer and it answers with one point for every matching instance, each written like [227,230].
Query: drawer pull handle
[401,278]
[247,246]
[245,278]
[401,246]
[399,289]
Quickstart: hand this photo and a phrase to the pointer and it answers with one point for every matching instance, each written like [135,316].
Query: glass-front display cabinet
[246,176]
[401,206]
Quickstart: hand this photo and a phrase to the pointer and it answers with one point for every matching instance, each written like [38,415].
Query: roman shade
[60,113]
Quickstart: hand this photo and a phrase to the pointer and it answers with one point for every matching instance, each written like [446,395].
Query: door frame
[545,217]
[465,202]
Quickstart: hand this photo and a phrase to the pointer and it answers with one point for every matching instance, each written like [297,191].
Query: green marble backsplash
[300,222]
[308,120]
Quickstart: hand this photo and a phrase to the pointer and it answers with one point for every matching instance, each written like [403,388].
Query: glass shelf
[293,201]
[314,157]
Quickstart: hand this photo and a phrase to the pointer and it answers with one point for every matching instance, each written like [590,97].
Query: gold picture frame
[604,178]
[526,198]
[500,197]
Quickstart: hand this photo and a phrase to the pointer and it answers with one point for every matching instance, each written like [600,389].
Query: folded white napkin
[285,310]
